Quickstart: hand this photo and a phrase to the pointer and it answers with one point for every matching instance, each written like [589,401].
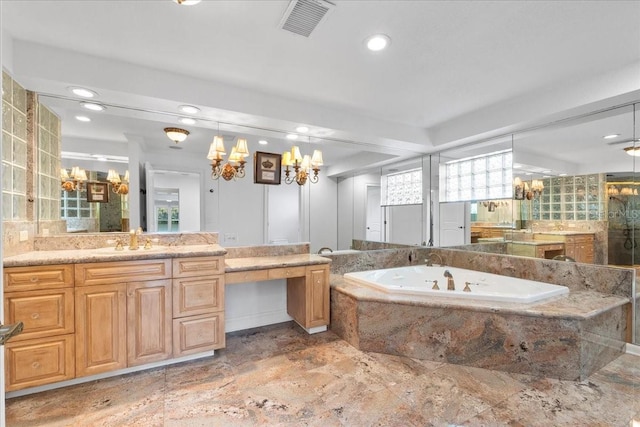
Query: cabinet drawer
[38,277]
[198,266]
[246,276]
[44,313]
[102,273]
[40,361]
[197,295]
[196,334]
[284,273]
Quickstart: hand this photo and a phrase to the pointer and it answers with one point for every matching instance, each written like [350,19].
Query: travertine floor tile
[280,376]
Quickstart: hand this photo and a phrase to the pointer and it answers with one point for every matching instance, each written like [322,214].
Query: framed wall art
[266,168]
[98,192]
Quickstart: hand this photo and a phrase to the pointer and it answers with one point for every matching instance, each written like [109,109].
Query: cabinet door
[148,322]
[318,296]
[195,334]
[39,361]
[101,334]
[44,313]
[197,295]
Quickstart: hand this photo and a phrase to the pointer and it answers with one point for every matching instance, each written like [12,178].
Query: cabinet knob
[34,279]
[35,316]
[35,365]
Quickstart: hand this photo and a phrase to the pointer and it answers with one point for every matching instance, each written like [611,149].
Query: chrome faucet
[325,249]
[430,257]
[451,286]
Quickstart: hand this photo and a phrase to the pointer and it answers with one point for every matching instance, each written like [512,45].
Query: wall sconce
[302,166]
[176,134]
[518,188]
[73,181]
[537,187]
[117,185]
[234,168]
[615,190]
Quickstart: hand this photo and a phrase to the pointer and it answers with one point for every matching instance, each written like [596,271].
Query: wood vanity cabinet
[308,297]
[198,305]
[42,298]
[123,314]
[580,247]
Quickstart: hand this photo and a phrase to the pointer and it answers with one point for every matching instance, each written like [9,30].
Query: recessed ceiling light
[528,173]
[546,171]
[292,136]
[562,174]
[517,165]
[93,106]
[302,129]
[82,92]
[263,142]
[83,119]
[377,42]
[613,135]
[187,121]
[189,109]
[187,2]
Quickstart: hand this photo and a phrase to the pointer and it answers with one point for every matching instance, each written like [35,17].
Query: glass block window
[49,164]
[74,205]
[403,188]
[14,149]
[482,177]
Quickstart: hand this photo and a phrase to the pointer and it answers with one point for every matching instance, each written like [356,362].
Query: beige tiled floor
[279,375]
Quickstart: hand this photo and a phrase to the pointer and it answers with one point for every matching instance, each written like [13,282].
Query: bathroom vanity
[95,312]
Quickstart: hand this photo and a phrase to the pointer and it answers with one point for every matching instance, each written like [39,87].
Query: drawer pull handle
[34,279]
[35,316]
[35,365]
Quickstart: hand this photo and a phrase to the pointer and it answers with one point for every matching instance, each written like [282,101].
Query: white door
[455,224]
[374,214]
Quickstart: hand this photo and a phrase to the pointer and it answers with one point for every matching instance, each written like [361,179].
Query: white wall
[404,224]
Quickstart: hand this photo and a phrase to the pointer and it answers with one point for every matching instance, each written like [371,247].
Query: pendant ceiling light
[176,134]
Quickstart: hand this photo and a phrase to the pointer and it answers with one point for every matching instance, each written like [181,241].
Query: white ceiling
[455,71]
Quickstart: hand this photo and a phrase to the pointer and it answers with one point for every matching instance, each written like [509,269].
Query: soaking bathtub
[419,280]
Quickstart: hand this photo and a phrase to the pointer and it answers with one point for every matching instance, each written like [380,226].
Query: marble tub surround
[267,250]
[576,276]
[568,337]
[279,375]
[367,245]
[375,259]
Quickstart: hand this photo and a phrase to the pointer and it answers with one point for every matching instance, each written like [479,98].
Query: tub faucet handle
[435,286]
[466,287]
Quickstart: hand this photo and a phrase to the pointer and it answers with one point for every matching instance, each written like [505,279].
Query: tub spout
[430,259]
[325,249]
[451,286]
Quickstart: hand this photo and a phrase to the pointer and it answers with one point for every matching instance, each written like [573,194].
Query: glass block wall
[49,149]
[14,150]
[572,198]
[478,178]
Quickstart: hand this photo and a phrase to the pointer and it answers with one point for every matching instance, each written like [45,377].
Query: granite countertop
[110,254]
[575,305]
[264,262]
[536,242]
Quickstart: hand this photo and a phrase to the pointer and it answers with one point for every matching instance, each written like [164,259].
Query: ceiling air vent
[303,16]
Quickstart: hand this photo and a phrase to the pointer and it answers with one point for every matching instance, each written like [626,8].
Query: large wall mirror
[170,188]
[570,192]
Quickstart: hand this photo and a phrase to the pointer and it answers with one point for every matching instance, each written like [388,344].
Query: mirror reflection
[569,192]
